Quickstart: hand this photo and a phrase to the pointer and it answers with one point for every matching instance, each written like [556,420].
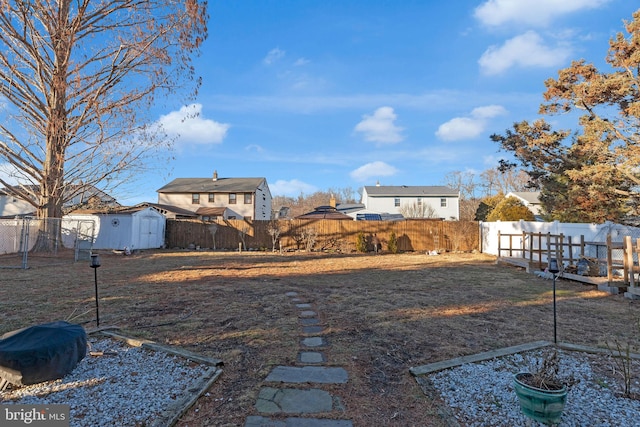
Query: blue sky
[326,94]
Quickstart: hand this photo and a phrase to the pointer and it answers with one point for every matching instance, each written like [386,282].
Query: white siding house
[391,199]
[11,206]
[228,198]
[531,199]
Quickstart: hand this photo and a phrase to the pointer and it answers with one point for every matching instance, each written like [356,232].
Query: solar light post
[554,269]
[95,263]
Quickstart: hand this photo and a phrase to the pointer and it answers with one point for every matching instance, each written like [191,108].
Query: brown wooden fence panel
[412,235]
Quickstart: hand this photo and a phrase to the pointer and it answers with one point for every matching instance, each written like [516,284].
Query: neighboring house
[78,196]
[391,199]
[531,199]
[226,198]
[12,206]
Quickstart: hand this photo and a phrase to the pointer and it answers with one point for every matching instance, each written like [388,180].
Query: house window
[232,198]
[231,217]
[212,198]
[247,218]
[443,203]
[396,202]
[195,199]
[248,198]
[419,201]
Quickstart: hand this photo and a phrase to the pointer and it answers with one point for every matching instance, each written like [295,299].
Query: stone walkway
[293,390]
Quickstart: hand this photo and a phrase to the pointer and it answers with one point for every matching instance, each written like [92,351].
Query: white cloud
[525,50]
[301,61]
[254,147]
[494,13]
[372,170]
[188,125]
[380,127]
[292,188]
[274,55]
[460,128]
[488,112]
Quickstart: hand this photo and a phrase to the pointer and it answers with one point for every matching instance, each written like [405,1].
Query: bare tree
[309,236]
[80,77]
[213,229]
[274,231]
[242,233]
[418,210]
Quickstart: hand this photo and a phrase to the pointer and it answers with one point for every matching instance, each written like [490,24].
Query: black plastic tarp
[42,352]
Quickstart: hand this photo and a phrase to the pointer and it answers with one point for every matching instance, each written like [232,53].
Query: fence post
[24,243]
[628,256]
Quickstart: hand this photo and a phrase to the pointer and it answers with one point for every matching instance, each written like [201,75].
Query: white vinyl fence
[595,235]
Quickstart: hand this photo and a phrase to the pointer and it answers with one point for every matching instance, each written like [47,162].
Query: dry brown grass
[382,315]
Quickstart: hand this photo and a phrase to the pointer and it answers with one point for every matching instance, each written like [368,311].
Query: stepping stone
[293,401]
[308,374]
[314,342]
[291,294]
[311,357]
[305,305]
[312,329]
[296,299]
[310,321]
[307,313]
[256,421]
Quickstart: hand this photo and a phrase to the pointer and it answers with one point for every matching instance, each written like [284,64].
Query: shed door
[148,232]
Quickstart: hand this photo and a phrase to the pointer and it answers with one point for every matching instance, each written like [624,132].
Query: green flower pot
[541,405]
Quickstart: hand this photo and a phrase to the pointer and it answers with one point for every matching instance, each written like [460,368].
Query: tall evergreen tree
[593,173]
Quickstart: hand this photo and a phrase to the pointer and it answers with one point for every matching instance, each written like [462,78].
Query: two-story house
[226,198]
[443,201]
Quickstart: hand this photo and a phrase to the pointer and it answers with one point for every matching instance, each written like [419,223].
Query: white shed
[139,229]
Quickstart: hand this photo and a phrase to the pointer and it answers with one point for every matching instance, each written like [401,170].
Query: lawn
[382,314]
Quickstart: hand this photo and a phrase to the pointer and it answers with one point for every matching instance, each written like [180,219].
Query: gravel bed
[127,388]
[481,394]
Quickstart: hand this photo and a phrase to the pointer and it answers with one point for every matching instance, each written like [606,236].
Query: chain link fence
[25,242]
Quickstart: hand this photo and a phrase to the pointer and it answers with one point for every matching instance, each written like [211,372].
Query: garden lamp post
[554,269]
[95,263]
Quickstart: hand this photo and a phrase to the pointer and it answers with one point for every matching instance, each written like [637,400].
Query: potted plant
[541,393]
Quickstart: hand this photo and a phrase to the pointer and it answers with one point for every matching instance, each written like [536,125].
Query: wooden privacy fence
[333,235]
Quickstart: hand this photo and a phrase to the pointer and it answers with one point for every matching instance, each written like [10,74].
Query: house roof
[208,185]
[325,212]
[162,208]
[349,207]
[410,190]
[531,197]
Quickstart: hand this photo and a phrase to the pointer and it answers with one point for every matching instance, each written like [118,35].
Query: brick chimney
[215,175]
[332,201]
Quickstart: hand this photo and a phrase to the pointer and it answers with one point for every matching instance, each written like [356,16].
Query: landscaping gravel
[481,394]
[126,386]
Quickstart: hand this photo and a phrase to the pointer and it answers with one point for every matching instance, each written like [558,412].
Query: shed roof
[410,190]
[208,185]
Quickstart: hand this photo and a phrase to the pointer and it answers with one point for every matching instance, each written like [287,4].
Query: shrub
[510,209]
[361,243]
[392,244]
